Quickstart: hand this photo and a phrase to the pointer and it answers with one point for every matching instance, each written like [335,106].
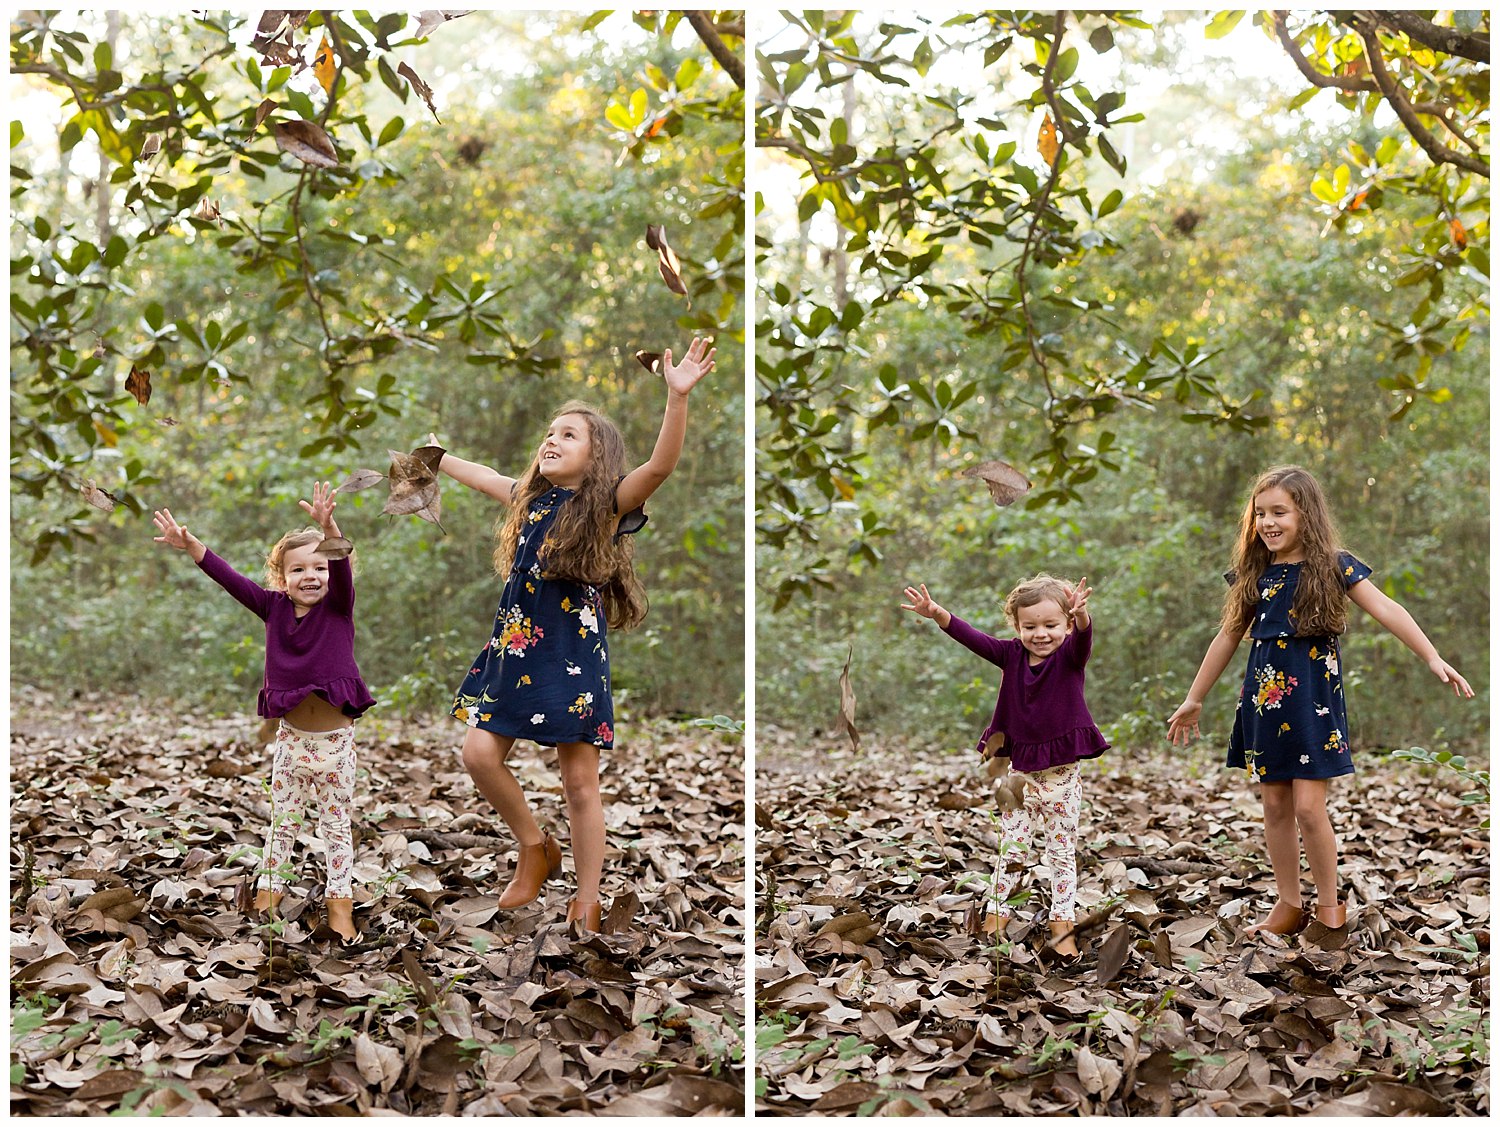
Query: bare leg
[484,759]
[1282,845]
[579,764]
[1310,801]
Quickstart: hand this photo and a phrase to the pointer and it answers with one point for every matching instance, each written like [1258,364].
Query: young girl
[312,684]
[569,578]
[1041,724]
[1291,734]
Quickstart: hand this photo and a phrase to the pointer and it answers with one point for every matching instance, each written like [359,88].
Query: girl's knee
[581,788]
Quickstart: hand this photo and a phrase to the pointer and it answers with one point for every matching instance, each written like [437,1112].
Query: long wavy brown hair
[1318,608]
[581,545]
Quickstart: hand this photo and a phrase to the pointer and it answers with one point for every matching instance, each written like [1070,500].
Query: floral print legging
[311,771]
[1053,799]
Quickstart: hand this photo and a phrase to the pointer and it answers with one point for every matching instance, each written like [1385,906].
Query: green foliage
[1479,778]
[493,267]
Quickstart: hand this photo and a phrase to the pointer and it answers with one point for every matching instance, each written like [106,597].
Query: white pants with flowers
[1053,798]
[311,772]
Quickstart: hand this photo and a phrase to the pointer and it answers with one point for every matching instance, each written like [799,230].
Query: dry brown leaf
[414,489]
[427,21]
[666,259]
[651,361]
[265,107]
[1005,483]
[846,703]
[422,89]
[138,384]
[306,141]
[359,479]
[335,548]
[101,499]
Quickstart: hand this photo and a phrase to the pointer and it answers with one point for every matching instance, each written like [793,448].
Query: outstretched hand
[173,535]
[921,602]
[698,362]
[323,504]
[1182,725]
[1450,676]
[1078,597]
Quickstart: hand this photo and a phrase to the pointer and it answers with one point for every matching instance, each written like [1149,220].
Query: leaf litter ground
[873,995]
[140,982]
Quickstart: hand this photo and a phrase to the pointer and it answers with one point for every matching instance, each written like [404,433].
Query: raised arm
[680,379]
[246,592]
[922,603]
[1078,598]
[340,573]
[321,509]
[1184,722]
[492,483]
[1398,620]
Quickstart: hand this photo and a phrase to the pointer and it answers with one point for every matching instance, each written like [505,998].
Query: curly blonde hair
[1318,609]
[581,545]
[1038,589]
[291,541]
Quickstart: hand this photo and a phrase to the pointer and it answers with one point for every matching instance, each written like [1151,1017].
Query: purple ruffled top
[311,654]
[1040,708]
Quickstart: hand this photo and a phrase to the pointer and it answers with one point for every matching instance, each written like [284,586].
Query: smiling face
[563,457]
[1042,627]
[304,571]
[1277,522]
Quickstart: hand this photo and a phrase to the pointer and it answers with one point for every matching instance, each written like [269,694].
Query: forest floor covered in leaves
[140,982]
[874,995]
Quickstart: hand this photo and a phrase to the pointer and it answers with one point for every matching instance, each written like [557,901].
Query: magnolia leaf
[426,21]
[430,456]
[306,141]
[671,269]
[207,210]
[359,479]
[414,489]
[335,548]
[101,499]
[265,107]
[326,66]
[1046,140]
[150,147]
[419,86]
[1113,953]
[1006,484]
[846,703]
[651,361]
[138,383]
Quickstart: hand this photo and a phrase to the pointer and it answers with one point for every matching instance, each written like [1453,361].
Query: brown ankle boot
[1284,919]
[266,899]
[534,865]
[1062,938]
[1332,915]
[341,917]
[586,912]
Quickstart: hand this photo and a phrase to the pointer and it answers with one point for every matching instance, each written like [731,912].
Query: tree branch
[1448,40]
[733,65]
[1365,25]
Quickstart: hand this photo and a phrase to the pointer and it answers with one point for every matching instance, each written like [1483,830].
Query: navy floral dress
[544,674]
[1290,722]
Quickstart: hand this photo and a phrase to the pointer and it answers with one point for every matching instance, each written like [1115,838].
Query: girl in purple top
[311,683]
[1041,724]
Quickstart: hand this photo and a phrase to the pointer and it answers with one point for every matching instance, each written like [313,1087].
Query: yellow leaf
[1457,233]
[325,66]
[1046,140]
[846,491]
[106,435]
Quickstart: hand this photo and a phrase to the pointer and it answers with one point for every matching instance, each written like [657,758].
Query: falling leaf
[207,210]
[150,147]
[1457,233]
[101,499]
[306,141]
[651,361]
[138,384]
[265,107]
[671,269]
[427,21]
[326,66]
[414,489]
[1006,484]
[846,703]
[335,548]
[359,479]
[167,421]
[419,86]
[430,456]
[1046,140]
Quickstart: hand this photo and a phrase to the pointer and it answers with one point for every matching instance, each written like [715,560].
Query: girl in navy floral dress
[569,578]
[1291,732]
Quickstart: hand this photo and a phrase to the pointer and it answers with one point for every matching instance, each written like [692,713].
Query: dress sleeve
[248,593]
[1352,570]
[1080,643]
[341,587]
[633,521]
[990,648]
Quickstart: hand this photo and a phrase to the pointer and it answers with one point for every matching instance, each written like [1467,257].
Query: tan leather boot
[535,864]
[1062,938]
[341,917]
[586,912]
